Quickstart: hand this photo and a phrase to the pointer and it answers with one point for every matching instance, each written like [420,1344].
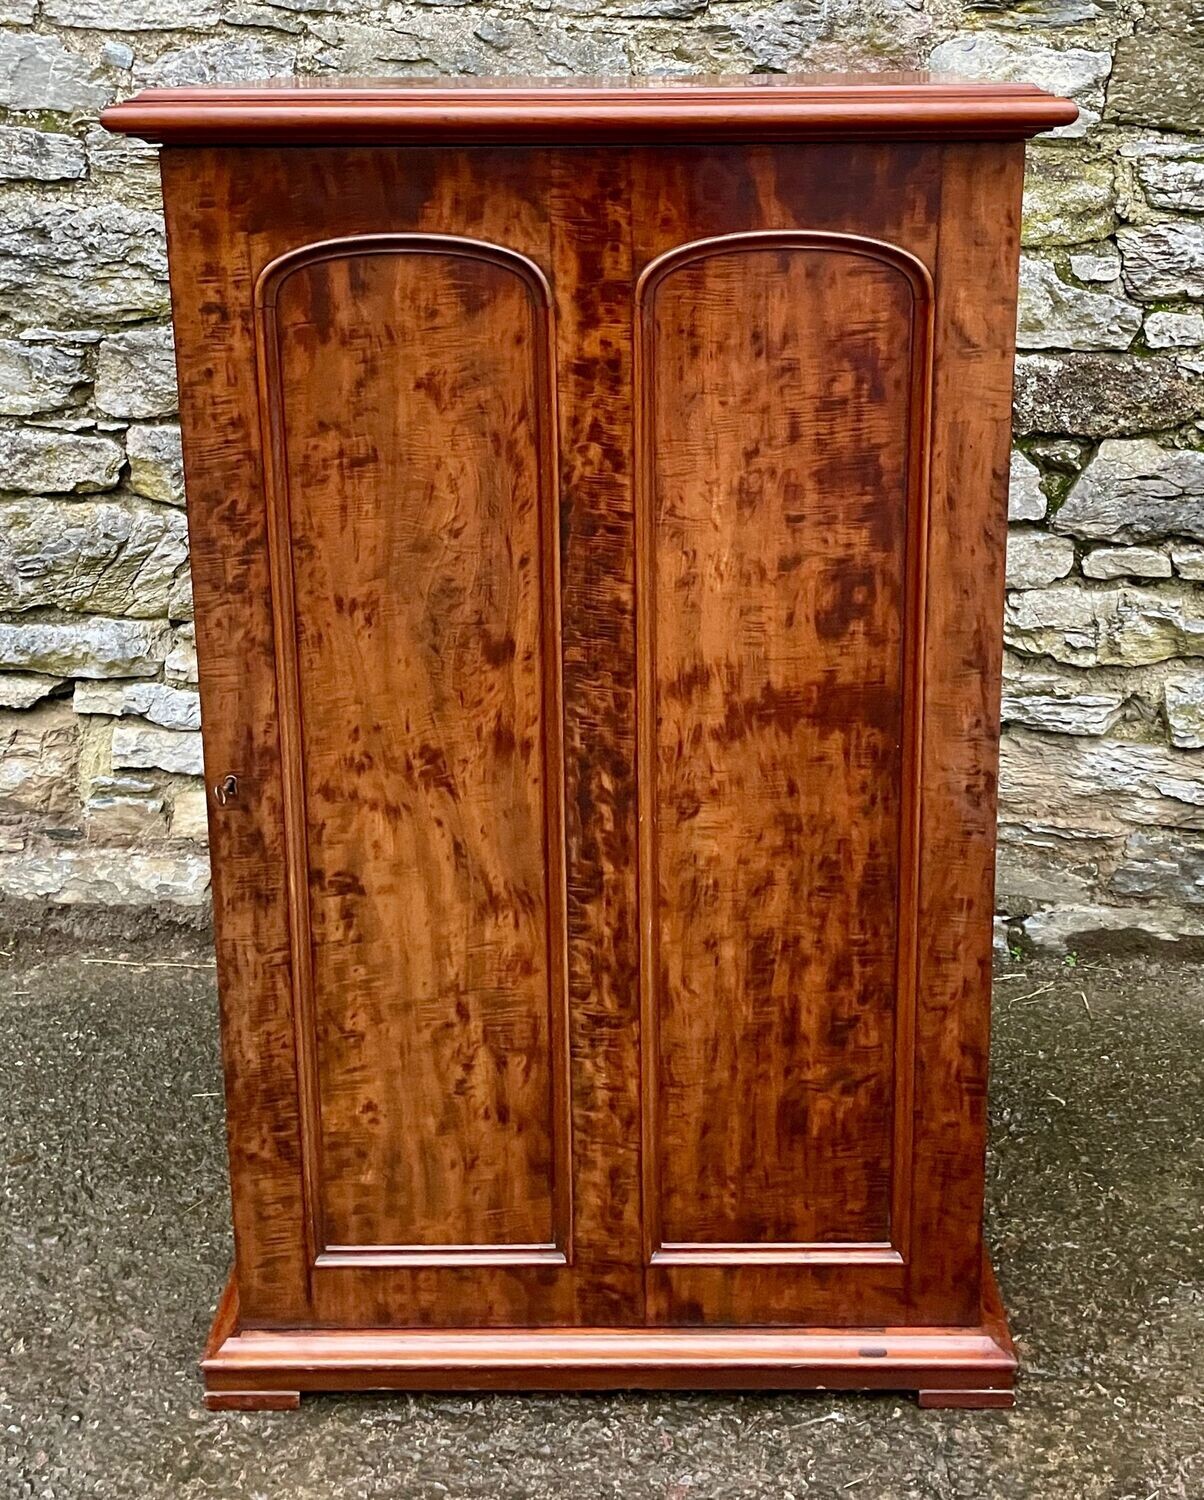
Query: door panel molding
[321,1252]
[660,1250]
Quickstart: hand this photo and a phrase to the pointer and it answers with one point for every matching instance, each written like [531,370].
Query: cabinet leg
[972,1400]
[252,1400]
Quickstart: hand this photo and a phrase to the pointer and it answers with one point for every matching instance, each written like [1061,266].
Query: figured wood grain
[590,111]
[772,1133]
[783,402]
[409,409]
[976,319]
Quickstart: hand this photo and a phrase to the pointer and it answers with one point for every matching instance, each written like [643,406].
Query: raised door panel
[783,400]
[410,420]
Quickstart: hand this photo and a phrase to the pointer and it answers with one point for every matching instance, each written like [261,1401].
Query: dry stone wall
[1102,816]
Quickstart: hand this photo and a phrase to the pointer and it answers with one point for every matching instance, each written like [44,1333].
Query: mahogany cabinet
[597,503]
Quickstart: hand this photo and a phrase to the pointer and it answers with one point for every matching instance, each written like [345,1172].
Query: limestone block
[156,462]
[1098,787]
[189,815]
[1174,330]
[1126,626]
[1127,562]
[1135,490]
[100,557]
[181,659]
[94,875]
[36,377]
[1035,558]
[29,155]
[1101,265]
[1170,173]
[139,745]
[1164,259]
[1156,81]
[1188,560]
[136,373]
[133,15]
[221,59]
[1063,927]
[1055,315]
[1068,199]
[1185,709]
[43,460]
[85,647]
[159,702]
[110,813]
[1060,702]
[24,689]
[94,261]
[39,760]
[1026,501]
[39,72]
[1104,395]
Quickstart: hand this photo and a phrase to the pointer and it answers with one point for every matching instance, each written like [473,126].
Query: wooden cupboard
[597,496]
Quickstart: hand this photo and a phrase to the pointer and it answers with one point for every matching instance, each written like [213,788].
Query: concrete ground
[115,1246]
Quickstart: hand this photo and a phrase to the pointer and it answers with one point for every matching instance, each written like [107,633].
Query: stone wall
[1103,780]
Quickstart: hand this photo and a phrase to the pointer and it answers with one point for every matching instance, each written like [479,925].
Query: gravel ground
[115,1246]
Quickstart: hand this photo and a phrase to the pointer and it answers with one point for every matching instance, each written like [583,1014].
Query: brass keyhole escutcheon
[226,789]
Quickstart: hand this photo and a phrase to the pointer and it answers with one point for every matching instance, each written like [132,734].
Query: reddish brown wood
[598,558]
[417,111]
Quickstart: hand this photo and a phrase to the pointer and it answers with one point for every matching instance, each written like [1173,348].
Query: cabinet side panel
[783,378]
[409,392]
[212,285]
[972,404]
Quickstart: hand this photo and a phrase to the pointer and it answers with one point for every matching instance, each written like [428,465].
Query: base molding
[248,1369]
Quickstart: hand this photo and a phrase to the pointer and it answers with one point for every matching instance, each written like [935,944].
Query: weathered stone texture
[101,557]
[1068,200]
[28,155]
[1104,395]
[36,378]
[1185,710]
[1055,315]
[39,755]
[1126,562]
[1170,173]
[1164,259]
[156,462]
[1035,558]
[160,703]
[43,460]
[1125,626]
[86,647]
[147,745]
[1156,81]
[100,261]
[1136,492]
[1105,620]
[136,373]
[1026,499]
[39,72]
[1174,330]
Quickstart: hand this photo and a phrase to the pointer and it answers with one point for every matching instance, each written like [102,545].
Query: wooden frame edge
[269,1369]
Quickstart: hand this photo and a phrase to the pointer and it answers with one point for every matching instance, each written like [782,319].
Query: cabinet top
[575,111]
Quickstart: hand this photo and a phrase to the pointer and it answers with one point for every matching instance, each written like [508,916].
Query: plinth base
[950,1367]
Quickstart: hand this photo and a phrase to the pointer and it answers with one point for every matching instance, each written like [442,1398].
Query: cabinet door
[409,658]
[822,407]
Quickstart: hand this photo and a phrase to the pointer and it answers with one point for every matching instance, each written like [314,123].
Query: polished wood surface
[598,564]
[414,111]
[410,422]
[783,374]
